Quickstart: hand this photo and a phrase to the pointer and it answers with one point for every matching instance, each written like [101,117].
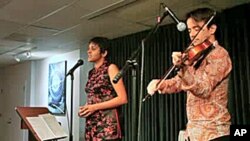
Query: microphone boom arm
[128,63]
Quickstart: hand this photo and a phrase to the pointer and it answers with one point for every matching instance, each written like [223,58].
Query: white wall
[26,84]
[15,91]
[39,84]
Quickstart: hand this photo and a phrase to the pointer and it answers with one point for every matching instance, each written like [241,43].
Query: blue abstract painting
[56,88]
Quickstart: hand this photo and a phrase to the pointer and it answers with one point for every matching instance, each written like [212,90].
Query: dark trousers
[223,138]
[115,140]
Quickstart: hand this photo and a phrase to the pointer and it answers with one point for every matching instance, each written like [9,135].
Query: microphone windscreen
[181,26]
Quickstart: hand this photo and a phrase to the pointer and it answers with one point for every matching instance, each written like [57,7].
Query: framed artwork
[57,88]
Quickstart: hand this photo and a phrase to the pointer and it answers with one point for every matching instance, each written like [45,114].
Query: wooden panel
[30,112]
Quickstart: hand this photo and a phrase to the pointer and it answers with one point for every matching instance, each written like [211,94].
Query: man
[205,80]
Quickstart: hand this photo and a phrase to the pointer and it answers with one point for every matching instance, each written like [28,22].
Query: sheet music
[53,125]
[47,127]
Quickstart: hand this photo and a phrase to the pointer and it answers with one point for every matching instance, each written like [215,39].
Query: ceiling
[50,27]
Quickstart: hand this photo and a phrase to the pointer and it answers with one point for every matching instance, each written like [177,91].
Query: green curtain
[163,116]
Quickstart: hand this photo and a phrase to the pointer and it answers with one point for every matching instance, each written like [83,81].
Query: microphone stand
[128,64]
[133,65]
[71,73]
[71,108]
[153,30]
[136,52]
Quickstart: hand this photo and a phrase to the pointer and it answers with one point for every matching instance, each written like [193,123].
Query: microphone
[79,63]
[130,62]
[122,71]
[180,25]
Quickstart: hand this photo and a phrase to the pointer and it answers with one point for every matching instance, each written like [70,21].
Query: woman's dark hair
[102,42]
[202,14]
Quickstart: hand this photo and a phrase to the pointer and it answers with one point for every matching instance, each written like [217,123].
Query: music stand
[24,112]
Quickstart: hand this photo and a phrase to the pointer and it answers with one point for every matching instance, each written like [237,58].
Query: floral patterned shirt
[207,95]
[103,124]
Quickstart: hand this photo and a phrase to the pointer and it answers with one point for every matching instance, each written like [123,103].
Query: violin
[195,52]
[192,53]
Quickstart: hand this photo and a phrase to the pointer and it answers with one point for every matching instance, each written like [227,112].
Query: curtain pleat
[163,116]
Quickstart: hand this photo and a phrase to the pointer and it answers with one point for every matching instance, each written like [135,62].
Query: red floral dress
[103,124]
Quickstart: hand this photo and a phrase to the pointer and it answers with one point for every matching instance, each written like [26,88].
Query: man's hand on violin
[153,87]
[178,58]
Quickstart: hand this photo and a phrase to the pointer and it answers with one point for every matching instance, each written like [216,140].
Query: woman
[103,96]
